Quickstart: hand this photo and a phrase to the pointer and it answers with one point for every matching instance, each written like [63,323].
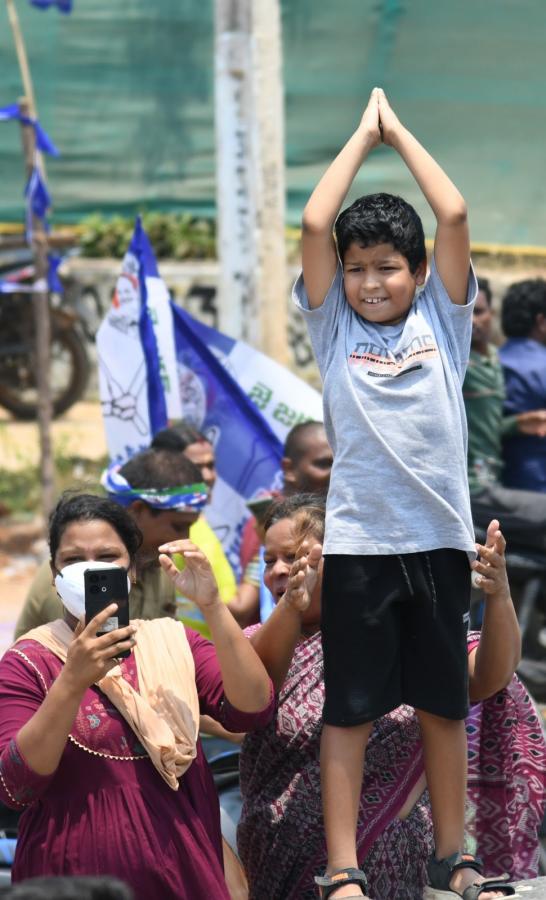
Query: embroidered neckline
[105,755]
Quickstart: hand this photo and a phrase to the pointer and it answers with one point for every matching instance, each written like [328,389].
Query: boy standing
[399,533]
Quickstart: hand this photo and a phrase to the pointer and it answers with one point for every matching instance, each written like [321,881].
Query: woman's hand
[493,662]
[89,657]
[196,580]
[491,566]
[303,577]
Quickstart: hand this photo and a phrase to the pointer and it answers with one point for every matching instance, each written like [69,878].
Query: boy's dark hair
[382,219]
[522,303]
[88,508]
[177,437]
[485,287]
[295,443]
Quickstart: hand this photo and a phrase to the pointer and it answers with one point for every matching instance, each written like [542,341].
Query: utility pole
[40,296]
[250,174]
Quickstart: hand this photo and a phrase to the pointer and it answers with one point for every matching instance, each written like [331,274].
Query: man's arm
[319,256]
[532,422]
[452,243]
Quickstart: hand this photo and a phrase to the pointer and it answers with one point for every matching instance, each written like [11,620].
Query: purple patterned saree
[281,835]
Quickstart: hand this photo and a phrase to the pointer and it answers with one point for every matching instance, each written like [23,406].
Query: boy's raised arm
[319,257]
[451,244]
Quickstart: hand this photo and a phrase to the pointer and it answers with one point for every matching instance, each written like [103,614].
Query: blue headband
[184,498]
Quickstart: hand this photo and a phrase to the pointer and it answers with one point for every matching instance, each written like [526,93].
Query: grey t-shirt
[395,419]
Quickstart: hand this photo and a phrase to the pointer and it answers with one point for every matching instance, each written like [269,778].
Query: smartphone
[103,587]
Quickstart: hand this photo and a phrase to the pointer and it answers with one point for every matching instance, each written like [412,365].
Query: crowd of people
[387,750]
[505,399]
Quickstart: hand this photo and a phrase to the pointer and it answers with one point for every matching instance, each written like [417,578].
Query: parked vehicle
[69,372]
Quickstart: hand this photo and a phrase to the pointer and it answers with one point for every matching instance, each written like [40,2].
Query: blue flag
[141,248]
[54,283]
[225,412]
[158,365]
[43,141]
[64,6]
[38,201]
[248,453]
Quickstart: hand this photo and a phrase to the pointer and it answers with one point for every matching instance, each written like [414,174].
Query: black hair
[522,303]
[295,443]
[87,508]
[485,287]
[69,888]
[288,507]
[382,219]
[177,437]
[157,469]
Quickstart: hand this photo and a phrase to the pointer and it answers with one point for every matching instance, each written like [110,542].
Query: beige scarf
[164,714]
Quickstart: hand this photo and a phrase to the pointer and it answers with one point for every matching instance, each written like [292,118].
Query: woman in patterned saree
[280,836]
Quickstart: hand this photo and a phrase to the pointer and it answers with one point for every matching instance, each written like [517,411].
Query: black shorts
[394,630]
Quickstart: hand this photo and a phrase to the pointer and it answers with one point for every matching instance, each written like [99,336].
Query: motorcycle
[69,360]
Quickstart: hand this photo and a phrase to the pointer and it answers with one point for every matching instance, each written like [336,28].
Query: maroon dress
[106,810]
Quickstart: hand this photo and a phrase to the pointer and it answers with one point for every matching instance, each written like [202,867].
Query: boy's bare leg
[342,769]
[446,760]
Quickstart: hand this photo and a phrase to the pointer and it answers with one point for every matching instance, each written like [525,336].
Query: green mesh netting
[126,92]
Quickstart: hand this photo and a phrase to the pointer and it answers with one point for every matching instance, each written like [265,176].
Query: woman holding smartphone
[102,752]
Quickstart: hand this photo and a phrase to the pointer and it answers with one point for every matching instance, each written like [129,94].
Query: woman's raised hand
[196,579]
[303,576]
[89,657]
[490,568]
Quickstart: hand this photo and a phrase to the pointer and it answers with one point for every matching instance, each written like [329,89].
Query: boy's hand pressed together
[369,123]
[389,122]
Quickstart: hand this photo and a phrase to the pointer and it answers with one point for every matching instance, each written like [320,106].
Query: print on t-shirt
[380,362]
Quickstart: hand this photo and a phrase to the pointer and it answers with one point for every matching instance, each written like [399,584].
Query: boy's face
[378,283]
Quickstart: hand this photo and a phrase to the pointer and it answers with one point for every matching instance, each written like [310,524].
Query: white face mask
[71,587]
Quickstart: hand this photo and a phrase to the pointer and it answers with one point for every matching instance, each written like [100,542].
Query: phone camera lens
[93,578]
[104,589]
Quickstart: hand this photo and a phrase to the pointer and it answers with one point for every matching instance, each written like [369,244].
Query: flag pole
[42,327]
[24,69]
[22,58]
[40,297]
